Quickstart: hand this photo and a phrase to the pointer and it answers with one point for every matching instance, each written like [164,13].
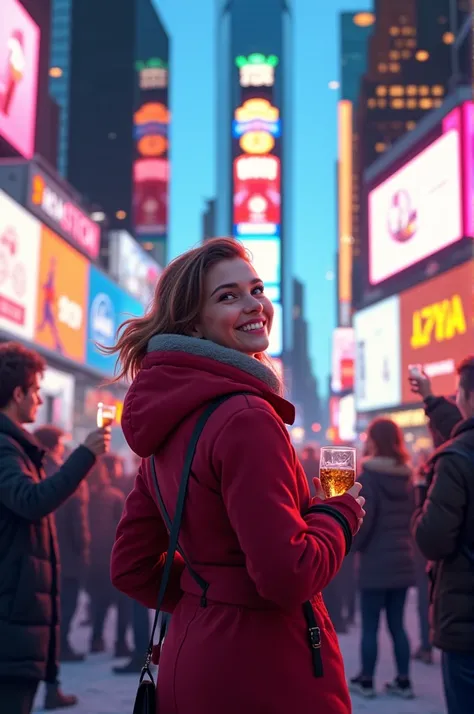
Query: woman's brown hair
[176,305]
[386,439]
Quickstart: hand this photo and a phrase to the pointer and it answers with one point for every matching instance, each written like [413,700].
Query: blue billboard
[109,305]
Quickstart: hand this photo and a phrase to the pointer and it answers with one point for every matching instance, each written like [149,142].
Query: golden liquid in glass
[104,419]
[336,481]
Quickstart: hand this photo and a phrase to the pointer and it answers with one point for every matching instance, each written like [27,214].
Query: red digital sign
[257,201]
[150,197]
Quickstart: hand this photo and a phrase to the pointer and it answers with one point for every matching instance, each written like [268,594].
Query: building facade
[254,145]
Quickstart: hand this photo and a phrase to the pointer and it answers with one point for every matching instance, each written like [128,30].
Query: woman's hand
[319,493]
[354,492]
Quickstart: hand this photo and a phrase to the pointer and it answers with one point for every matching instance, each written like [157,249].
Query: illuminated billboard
[345,205]
[436,324]
[377,337]
[256,70]
[418,210]
[151,125]
[52,205]
[343,357]
[256,213]
[19,62]
[468,111]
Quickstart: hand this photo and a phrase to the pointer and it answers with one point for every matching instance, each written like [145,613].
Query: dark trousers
[372,602]
[458,680]
[422,586]
[17,696]
[103,595]
[141,628]
[69,596]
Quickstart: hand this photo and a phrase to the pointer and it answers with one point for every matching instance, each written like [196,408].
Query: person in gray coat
[387,566]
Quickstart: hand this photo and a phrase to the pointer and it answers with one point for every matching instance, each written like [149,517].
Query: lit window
[394,55]
[121,215]
[394,31]
[410,125]
[411,43]
[412,104]
[406,54]
[397,104]
[55,72]
[364,19]
[382,67]
[448,38]
[382,103]
[426,103]
[437,90]
[397,90]
[380,147]
[422,55]
[424,90]
[394,67]
[412,90]
[371,103]
[381,91]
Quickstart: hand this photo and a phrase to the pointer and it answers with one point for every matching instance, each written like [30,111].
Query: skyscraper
[110,77]
[254,134]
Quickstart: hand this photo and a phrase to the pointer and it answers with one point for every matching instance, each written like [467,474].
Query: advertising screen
[63,281]
[417,211]
[468,111]
[265,256]
[102,320]
[436,328]
[19,257]
[347,418]
[51,204]
[343,357]
[150,196]
[134,269]
[19,60]
[257,197]
[377,336]
[276,336]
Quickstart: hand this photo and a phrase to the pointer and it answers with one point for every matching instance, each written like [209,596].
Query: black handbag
[145,701]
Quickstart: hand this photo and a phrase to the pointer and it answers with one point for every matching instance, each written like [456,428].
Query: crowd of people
[259,553]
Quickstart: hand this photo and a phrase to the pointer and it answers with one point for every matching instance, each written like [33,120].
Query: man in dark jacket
[444,531]
[72,525]
[29,560]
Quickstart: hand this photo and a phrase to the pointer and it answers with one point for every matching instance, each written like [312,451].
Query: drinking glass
[105,414]
[337,469]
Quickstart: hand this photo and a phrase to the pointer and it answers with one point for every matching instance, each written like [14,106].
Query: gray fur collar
[205,348]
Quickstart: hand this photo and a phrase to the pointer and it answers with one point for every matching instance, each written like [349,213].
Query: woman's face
[236,313]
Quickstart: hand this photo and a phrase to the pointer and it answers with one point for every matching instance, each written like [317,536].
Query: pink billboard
[150,196]
[418,210]
[468,110]
[19,59]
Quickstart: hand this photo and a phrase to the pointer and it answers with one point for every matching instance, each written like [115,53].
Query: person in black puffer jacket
[387,566]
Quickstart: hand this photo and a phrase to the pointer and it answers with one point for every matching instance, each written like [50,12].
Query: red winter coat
[245,532]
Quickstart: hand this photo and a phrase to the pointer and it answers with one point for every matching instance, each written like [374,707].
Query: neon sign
[152,73]
[256,115]
[257,70]
[257,167]
[49,202]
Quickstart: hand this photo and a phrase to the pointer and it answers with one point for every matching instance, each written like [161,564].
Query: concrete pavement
[101,692]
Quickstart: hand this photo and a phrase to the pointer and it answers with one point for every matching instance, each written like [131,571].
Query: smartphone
[415,371]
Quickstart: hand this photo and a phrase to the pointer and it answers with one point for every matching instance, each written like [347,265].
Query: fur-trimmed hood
[392,478]
[179,375]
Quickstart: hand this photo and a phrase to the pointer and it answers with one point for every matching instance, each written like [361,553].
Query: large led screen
[417,211]
[436,321]
[468,110]
[276,336]
[19,60]
[377,337]
[265,256]
[20,236]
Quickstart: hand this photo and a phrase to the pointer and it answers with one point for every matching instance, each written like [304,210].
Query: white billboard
[343,356]
[132,267]
[378,356]
[20,238]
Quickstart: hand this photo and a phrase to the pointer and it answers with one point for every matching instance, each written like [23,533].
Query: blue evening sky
[316,27]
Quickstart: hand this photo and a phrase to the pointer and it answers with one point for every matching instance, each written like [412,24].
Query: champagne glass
[105,414]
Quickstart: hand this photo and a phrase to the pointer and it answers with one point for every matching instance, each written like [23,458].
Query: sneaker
[423,655]
[400,688]
[362,686]
[55,699]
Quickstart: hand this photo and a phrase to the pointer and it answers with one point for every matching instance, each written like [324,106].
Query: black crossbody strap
[175,525]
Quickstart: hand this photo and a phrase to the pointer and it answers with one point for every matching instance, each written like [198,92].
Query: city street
[103,693]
